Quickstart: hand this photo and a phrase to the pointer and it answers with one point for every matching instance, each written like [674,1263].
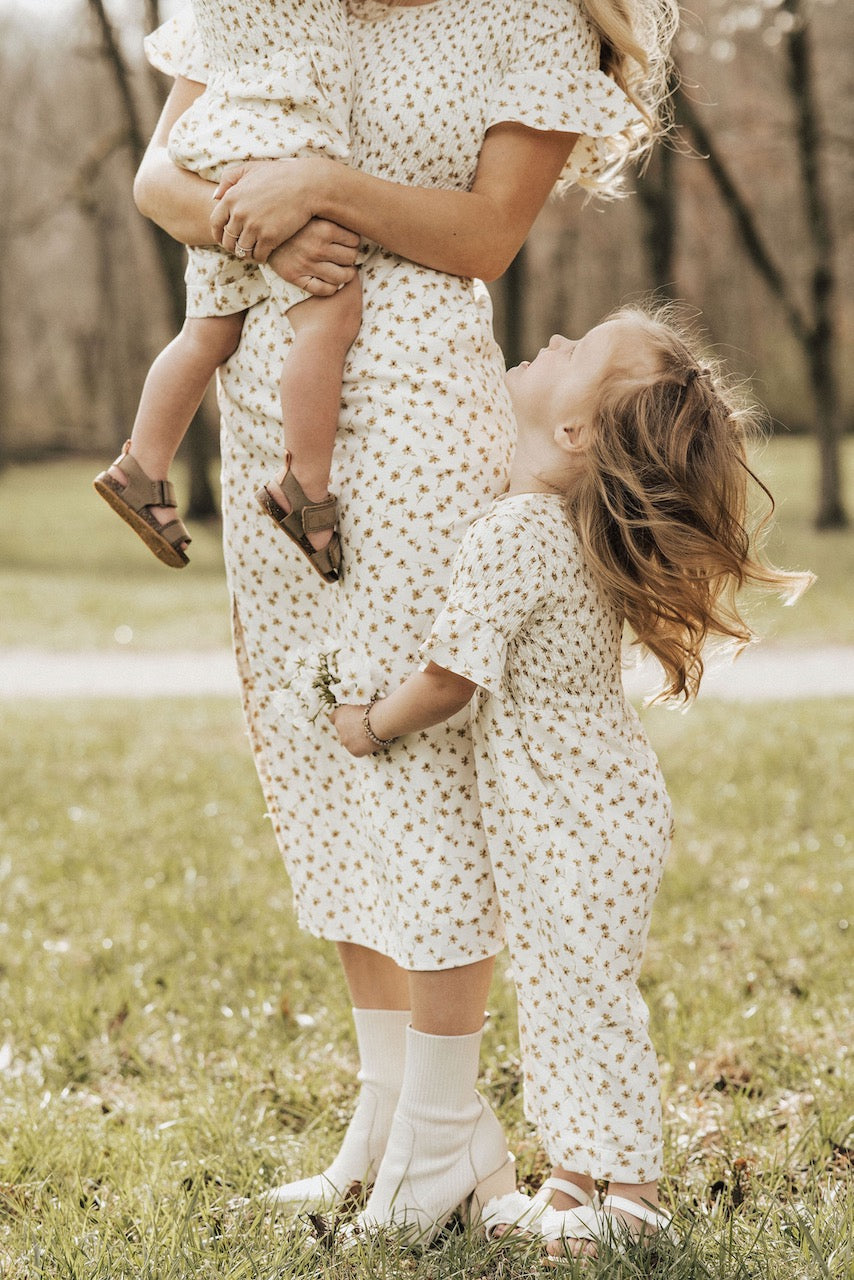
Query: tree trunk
[514,309]
[821,344]
[815,330]
[658,202]
[170,255]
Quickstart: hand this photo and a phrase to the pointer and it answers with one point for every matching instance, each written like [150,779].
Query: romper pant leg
[576,902]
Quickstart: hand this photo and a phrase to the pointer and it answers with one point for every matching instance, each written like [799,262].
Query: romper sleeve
[176,48]
[553,82]
[496,584]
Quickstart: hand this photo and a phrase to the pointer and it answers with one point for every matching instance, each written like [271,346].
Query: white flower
[356,679]
[320,677]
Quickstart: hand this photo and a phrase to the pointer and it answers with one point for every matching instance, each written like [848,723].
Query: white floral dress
[390,851]
[278,82]
[578,827]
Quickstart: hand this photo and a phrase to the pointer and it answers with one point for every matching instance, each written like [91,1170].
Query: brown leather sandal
[132,501]
[303,518]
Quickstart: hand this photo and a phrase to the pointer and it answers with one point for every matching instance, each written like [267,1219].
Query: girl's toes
[574,1248]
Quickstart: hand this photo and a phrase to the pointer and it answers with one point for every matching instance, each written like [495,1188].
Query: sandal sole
[142,527]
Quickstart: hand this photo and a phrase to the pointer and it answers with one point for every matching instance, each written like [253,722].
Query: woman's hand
[351,731]
[320,258]
[264,203]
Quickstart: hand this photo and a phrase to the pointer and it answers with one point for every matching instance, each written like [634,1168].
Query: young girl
[627,504]
[283,90]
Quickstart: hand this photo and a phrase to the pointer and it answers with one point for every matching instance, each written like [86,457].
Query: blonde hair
[635,38]
[661,504]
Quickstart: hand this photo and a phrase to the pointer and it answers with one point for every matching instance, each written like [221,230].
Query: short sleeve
[496,584]
[176,48]
[553,82]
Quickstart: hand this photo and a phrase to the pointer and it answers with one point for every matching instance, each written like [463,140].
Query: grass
[80,580]
[168,1038]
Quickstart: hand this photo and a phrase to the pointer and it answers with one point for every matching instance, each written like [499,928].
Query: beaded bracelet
[366,725]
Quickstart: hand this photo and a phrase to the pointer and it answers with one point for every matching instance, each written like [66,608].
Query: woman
[467,113]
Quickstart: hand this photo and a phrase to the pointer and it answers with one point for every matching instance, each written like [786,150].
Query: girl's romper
[578,824]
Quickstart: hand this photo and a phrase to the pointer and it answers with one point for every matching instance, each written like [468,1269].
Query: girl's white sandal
[601,1226]
[526,1215]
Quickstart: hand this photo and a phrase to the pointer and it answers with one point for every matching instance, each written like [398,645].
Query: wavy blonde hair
[635,38]
[661,504]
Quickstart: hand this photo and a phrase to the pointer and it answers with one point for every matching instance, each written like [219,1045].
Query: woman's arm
[177,200]
[467,233]
[426,698]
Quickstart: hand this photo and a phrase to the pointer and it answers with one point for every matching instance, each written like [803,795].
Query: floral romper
[577,821]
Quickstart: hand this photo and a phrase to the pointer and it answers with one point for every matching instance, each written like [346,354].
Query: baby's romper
[278,84]
[578,825]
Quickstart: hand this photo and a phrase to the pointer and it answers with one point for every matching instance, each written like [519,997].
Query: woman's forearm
[177,200]
[468,233]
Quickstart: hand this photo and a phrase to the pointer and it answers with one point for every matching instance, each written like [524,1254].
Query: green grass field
[169,1039]
[77,577]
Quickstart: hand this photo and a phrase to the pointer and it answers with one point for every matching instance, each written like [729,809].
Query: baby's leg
[324,329]
[173,391]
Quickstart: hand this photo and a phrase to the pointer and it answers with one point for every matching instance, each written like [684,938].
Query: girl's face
[561,388]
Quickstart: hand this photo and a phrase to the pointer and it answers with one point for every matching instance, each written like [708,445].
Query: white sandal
[601,1227]
[528,1214]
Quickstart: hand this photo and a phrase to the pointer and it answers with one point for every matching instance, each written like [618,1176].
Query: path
[765,673]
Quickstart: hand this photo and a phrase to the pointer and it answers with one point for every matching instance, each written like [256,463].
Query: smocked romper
[577,821]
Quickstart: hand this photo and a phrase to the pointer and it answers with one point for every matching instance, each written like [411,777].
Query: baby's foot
[162,515]
[319,538]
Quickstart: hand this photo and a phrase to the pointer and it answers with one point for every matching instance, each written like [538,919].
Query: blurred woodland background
[745,214]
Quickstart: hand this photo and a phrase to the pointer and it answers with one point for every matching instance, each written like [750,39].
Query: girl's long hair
[635,38]
[661,506]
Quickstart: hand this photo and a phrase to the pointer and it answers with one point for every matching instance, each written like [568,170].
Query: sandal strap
[140,490]
[568,1188]
[311,517]
[646,1213]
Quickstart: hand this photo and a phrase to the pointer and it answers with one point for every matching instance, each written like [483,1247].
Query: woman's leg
[380,995]
[445,1145]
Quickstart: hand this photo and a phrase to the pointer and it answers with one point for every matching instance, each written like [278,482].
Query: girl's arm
[467,233]
[426,698]
[319,257]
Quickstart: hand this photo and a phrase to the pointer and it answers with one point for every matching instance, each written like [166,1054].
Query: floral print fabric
[278,80]
[390,851]
[578,825]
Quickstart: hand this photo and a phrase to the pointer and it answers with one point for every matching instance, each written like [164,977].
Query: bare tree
[813,323]
[169,254]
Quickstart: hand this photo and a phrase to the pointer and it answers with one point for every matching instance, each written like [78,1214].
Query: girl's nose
[557,341]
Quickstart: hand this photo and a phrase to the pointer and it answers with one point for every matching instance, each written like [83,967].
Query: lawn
[169,1039]
[79,579]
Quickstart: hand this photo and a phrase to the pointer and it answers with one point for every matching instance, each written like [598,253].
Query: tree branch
[742,214]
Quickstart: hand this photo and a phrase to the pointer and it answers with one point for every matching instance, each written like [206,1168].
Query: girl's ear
[571,436]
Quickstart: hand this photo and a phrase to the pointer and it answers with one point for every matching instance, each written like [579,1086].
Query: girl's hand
[351,732]
[320,258]
[265,202]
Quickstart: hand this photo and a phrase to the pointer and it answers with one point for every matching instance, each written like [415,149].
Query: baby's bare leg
[324,329]
[175,385]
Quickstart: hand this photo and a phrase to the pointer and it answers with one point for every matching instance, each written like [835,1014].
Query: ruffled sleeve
[496,584]
[176,48]
[553,82]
